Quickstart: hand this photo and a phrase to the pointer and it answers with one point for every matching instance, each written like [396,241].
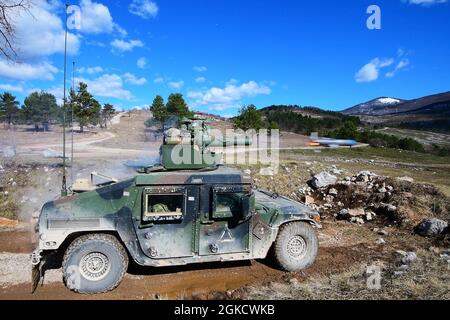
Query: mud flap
[37,276]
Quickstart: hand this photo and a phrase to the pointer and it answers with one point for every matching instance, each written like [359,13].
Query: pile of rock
[359,198]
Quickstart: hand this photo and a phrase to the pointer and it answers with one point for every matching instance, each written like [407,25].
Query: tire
[94,263]
[296,246]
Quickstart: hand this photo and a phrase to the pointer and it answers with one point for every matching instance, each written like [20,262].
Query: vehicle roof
[221,175]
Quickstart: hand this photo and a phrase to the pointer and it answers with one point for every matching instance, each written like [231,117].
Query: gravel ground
[16,269]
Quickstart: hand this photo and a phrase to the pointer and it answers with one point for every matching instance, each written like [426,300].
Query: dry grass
[427,278]
[13,179]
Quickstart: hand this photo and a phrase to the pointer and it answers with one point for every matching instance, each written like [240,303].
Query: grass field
[370,153]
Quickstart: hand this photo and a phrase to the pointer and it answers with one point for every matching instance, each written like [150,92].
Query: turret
[188,148]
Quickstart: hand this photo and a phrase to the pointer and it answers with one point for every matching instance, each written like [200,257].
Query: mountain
[374,107]
[428,113]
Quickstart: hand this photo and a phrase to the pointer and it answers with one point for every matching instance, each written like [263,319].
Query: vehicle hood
[282,204]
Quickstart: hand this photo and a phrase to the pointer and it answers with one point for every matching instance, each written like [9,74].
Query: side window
[228,205]
[163,204]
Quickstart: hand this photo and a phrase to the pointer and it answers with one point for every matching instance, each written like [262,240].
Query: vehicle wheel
[296,246]
[94,263]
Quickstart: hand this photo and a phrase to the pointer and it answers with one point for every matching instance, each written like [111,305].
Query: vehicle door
[167,226]
[225,224]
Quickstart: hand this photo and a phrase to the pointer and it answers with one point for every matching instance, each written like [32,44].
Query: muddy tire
[296,246]
[94,263]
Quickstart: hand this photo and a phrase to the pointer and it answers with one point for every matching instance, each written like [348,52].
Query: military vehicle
[171,215]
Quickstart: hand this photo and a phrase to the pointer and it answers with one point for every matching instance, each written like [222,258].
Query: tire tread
[110,239]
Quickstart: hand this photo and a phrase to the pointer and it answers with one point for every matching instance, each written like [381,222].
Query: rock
[381,241]
[383,232]
[406,179]
[382,190]
[387,208]
[359,212]
[403,267]
[333,192]
[294,281]
[321,180]
[248,171]
[309,200]
[8,223]
[357,220]
[407,257]
[343,215]
[431,227]
[1,168]
[370,215]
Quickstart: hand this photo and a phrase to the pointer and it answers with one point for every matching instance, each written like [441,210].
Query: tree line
[41,109]
[290,118]
[175,106]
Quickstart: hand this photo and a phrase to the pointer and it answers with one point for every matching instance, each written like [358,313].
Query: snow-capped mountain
[375,106]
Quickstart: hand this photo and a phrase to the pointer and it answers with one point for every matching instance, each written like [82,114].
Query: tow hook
[36,257]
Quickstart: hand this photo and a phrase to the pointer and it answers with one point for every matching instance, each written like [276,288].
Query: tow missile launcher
[189,148]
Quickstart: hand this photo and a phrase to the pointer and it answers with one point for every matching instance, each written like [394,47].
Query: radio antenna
[64,178]
[73,106]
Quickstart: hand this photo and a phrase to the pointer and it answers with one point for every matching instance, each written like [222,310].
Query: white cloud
[200,68]
[26,71]
[404,63]
[107,86]
[370,72]
[200,79]
[425,2]
[176,84]
[11,88]
[131,78]
[95,18]
[141,63]
[123,45]
[40,32]
[90,70]
[144,8]
[159,80]
[228,97]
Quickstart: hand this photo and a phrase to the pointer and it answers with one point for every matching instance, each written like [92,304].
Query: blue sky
[224,54]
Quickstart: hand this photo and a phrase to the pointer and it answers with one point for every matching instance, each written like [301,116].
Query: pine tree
[159,110]
[9,107]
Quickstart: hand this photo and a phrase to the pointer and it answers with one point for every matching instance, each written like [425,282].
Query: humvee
[171,217]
